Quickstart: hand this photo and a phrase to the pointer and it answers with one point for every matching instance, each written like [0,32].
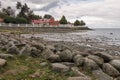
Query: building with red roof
[44,21]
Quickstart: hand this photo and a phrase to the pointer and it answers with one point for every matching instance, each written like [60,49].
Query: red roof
[51,21]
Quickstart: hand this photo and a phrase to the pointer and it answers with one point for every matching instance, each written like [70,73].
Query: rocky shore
[85,63]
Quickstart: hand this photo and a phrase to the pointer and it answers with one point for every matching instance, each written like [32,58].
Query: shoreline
[35,30]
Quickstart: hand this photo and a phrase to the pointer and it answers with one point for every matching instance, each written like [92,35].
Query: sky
[96,13]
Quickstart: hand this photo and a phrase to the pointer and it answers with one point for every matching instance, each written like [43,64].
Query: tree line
[25,15]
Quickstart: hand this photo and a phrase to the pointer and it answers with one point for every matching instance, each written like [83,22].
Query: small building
[48,22]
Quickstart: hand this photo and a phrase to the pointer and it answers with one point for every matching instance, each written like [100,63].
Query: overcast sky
[96,13]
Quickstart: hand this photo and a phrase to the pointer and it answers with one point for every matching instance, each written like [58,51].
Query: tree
[18,5]
[8,11]
[82,23]
[77,23]
[47,16]
[20,20]
[63,20]
[9,19]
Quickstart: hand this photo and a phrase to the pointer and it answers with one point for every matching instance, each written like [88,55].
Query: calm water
[110,36]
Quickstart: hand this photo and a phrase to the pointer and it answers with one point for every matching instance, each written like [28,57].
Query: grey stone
[60,47]
[43,64]
[77,72]
[35,52]
[54,58]
[66,55]
[97,59]
[13,50]
[105,56]
[59,67]
[70,64]
[101,75]
[78,60]
[6,56]
[46,53]
[110,70]
[79,78]
[118,78]
[2,62]
[25,50]
[39,46]
[116,64]
[90,65]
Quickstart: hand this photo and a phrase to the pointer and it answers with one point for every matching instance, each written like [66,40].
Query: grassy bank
[41,29]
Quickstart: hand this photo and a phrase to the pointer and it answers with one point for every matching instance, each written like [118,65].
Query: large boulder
[6,56]
[97,59]
[79,78]
[90,65]
[66,55]
[59,67]
[39,46]
[105,56]
[2,62]
[100,75]
[78,60]
[25,50]
[110,70]
[116,64]
[46,53]
[13,50]
[54,58]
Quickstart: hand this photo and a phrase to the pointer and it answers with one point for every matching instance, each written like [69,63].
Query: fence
[35,25]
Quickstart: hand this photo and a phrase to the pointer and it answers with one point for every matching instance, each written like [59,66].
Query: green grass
[22,67]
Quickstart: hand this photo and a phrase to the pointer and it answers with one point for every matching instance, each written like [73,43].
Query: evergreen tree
[47,16]
[82,23]
[77,23]
[63,20]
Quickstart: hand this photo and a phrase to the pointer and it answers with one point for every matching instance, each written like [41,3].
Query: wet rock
[54,58]
[90,65]
[78,60]
[79,78]
[110,70]
[116,64]
[66,55]
[6,56]
[2,62]
[13,50]
[101,75]
[97,59]
[105,56]
[59,67]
